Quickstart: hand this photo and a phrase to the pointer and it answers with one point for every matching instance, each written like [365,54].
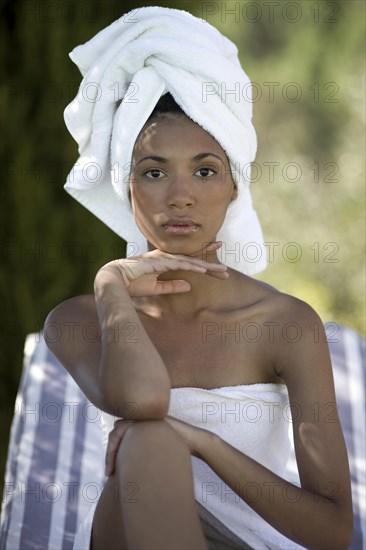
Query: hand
[140,274]
[114,440]
[194,437]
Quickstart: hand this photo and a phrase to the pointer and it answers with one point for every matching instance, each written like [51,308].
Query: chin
[182,247]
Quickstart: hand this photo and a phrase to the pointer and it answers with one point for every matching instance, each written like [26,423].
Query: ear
[234,194]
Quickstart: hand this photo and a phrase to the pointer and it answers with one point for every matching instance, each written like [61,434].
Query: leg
[153,469]
[108,532]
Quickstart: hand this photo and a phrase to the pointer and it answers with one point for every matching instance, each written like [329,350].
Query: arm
[105,352]
[319,513]
[321,516]
[118,373]
[131,371]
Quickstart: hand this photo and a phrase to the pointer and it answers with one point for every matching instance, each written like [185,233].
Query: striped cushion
[56,460]
[55,449]
[348,360]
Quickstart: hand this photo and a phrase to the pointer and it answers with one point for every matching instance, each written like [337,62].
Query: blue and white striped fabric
[349,368]
[55,464]
[56,460]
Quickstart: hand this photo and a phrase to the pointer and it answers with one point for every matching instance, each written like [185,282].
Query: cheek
[144,205]
[136,197]
[220,198]
[147,198]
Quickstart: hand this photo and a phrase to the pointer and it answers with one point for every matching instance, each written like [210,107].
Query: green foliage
[308,177]
[52,246]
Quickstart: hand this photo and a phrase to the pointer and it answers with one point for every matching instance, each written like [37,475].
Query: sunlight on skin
[179,190]
[312,438]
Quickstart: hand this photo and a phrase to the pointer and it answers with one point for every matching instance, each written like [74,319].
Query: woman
[190,360]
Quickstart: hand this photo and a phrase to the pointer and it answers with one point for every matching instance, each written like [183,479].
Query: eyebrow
[200,156]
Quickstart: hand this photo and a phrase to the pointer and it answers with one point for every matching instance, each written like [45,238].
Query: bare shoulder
[69,326]
[298,346]
[72,333]
[78,308]
[292,312]
[292,326]
[282,307]
[301,348]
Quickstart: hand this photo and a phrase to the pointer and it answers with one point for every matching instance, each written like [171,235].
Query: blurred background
[306,60]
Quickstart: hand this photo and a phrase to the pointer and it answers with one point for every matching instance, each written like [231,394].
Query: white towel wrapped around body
[256,420]
[127,67]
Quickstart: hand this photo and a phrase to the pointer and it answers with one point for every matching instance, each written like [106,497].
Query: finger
[217,268]
[160,262]
[175,286]
[218,275]
[210,248]
[114,440]
[176,264]
[214,245]
[191,264]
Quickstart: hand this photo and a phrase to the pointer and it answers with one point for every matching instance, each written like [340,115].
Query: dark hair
[166,104]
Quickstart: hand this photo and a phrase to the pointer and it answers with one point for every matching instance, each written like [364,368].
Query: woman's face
[180,185]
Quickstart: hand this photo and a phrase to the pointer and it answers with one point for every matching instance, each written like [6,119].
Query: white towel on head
[127,67]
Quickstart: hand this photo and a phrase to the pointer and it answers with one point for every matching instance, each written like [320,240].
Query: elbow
[345,537]
[157,409]
[342,543]
[341,534]
[49,331]
[345,528]
[139,406]
[140,398]
[150,407]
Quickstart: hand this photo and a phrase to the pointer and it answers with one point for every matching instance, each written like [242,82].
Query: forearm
[310,519]
[132,374]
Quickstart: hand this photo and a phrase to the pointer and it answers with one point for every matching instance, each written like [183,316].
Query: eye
[204,171]
[154,173]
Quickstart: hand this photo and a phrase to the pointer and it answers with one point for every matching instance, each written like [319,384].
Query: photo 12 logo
[271,11]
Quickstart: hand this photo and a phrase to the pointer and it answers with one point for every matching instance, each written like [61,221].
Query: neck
[206,292]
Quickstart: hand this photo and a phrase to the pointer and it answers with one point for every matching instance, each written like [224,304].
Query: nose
[180,192]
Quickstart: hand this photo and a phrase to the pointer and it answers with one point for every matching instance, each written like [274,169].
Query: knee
[152,436]
[152,431]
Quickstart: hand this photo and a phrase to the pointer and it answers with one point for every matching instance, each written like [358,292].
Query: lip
[180,226]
